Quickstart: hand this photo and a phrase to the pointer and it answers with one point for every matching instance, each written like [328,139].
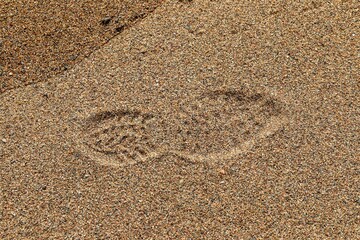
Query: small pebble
[120,28]
[201,31]
[143,50]
[4,140]
[222,171]
[73,57]
[106,21]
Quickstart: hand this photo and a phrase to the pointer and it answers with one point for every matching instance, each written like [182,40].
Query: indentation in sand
[117,137]
[213,126]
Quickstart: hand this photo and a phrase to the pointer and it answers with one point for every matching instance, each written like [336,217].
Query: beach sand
[40,39]
[204,120]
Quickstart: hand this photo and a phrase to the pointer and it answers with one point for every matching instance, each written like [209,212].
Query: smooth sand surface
[205,120]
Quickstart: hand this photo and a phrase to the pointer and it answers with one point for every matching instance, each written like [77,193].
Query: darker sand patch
[41,39]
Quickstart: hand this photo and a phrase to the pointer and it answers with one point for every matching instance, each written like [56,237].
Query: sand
[204,120]
[40,39]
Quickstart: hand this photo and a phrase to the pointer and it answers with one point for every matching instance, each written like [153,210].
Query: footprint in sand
[221,124]
[214,126]
[116,138]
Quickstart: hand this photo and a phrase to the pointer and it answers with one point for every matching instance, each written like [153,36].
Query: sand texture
[39,39]
[203,120]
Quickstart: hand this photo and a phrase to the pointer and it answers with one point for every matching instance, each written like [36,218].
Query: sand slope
[206,120]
